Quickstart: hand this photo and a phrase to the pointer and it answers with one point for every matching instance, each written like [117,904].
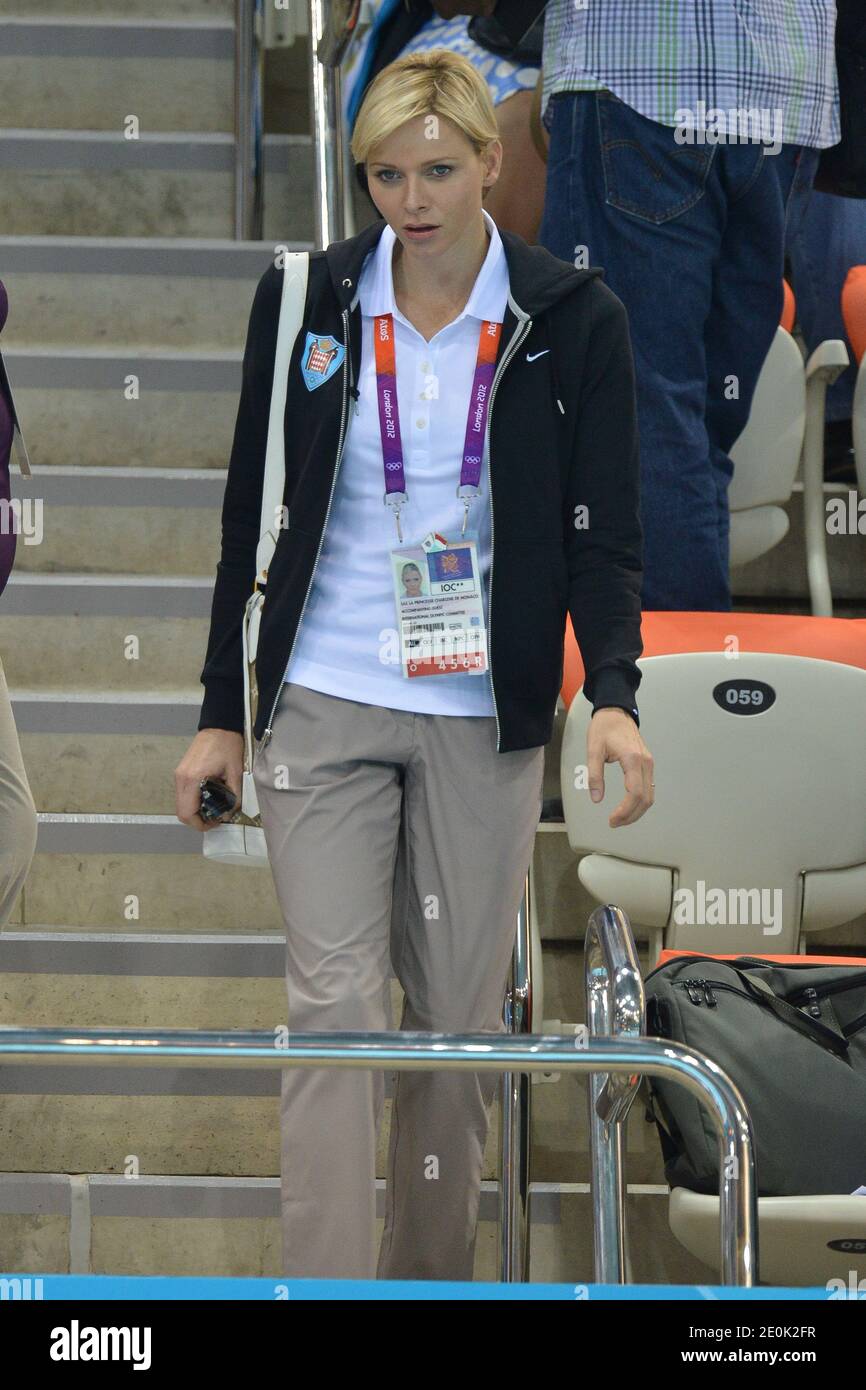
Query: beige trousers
[399,843]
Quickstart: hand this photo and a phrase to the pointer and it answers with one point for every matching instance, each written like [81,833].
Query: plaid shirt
[668,57]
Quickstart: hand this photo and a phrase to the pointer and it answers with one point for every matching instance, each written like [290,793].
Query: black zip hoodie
[564,490]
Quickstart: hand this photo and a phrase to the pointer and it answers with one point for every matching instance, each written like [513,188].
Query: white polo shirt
[346,644]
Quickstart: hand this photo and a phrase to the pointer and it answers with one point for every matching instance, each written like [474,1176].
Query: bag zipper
[347,368]
[837,986]
[695,987]
[708,987]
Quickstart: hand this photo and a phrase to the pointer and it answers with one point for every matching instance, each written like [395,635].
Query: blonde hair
[435,83]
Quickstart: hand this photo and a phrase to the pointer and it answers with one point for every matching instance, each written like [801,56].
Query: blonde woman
[461,401]
[401,27]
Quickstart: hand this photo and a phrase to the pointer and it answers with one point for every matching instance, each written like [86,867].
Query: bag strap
[296,267]
[295,274]
[249,800]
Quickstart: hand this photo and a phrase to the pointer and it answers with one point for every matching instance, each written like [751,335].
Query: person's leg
[470,819]
[18,823]
[762,191]
[623,194]
[329,788]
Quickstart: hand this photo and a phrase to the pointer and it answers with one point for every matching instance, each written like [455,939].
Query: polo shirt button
[420,423]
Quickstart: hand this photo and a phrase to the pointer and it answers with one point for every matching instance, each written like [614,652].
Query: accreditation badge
[440,615]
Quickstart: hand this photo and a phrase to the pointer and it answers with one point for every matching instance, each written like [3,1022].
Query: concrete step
[100,520]
[116,74]
[181,355]
[139,875]
[130,293]
[184,416]
[121,633]
[84,755]
[226,1124]
[171,183]
[144,540]
[35,960]
[138,655]
[231,1226]
[121,595]
[112,774]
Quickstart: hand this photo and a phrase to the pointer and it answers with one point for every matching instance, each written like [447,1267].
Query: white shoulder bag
[241,839]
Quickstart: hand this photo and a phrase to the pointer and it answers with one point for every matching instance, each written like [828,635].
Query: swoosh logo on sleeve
[536,354]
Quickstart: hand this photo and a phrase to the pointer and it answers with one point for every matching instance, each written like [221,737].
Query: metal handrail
[615,1008]
[455,1052]
[249,119]
[516,1096]
[328,40]
[332,25]
[614,998]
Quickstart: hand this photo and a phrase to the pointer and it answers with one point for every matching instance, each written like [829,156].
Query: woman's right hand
[212,753]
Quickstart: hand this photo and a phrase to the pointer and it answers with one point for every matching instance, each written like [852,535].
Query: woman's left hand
[614,737]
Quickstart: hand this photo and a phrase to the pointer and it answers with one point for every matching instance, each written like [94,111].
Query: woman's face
[428,173]
[412,581]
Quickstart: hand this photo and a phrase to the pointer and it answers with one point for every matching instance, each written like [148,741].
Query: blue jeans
[832,238]
[691,238]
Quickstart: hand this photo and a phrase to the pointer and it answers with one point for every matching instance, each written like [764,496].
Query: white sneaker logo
[536,354]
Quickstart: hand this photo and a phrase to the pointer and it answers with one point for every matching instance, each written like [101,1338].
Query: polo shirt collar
[376,287]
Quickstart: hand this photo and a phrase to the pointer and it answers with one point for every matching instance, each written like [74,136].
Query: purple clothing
[7,533]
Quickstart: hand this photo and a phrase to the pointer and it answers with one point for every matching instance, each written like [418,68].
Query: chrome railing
[623,1056]
[332,24]
[249,119]
[615,1008]
[516,1116]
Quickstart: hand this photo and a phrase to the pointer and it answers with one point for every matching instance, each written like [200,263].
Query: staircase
[129,302]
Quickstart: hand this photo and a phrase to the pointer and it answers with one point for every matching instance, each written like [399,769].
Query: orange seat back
[854,309]
[666,955]
[826,639]
[789,308]
[670,954]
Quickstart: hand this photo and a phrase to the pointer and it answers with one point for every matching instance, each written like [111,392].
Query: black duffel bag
[793,1040]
